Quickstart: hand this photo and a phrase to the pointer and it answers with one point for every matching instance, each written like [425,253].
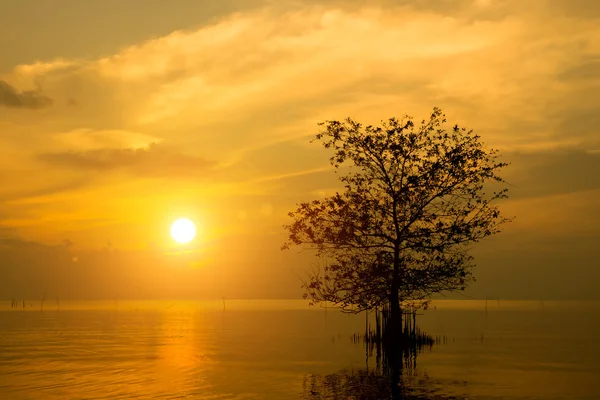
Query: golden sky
[119,116]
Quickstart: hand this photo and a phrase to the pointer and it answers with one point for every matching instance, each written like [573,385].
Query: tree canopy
[414,198]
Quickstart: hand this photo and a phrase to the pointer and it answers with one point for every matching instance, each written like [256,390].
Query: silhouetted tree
[413,201]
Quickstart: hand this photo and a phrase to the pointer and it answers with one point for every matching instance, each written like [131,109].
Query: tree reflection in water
[391,377]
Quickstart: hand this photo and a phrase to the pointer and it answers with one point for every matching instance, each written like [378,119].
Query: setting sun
[183,230]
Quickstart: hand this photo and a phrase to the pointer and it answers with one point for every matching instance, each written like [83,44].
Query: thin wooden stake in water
[486,306]
[43,298]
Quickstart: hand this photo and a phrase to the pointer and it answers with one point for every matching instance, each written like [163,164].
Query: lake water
[281,349]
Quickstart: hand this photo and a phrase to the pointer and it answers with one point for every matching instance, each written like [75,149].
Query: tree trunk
[395,309]
[394,345]
[395,322]
[393,335]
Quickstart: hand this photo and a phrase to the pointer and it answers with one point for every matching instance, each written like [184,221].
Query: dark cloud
[156,160]
[30,269]
[574,114]
[14,244]
[11,97]
[518,266]
[587,69]
[581,122]
[6,231]
[585,9]
[552,172]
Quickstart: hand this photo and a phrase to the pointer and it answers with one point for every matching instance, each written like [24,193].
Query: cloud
[279,65]
[155,161]
[292,65]
[588,68]
[88,139]
[14,244]
[11,97]
[40,68]
[46,190]
[584,9]
[562,267]
[552,172]
[276,61]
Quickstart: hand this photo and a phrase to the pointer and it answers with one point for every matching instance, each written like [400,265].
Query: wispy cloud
[155,161]
[45,191]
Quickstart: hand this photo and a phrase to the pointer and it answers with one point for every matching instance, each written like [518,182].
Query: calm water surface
[273,349]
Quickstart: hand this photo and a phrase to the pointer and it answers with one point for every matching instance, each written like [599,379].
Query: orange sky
[117,117]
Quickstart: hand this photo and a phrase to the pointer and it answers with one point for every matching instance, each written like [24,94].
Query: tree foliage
[414,198]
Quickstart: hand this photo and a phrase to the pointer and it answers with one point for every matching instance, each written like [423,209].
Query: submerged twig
[42,305]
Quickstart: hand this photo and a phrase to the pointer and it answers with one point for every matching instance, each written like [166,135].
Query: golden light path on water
[269,349]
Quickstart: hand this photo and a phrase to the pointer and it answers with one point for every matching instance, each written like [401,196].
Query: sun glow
[183,230]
